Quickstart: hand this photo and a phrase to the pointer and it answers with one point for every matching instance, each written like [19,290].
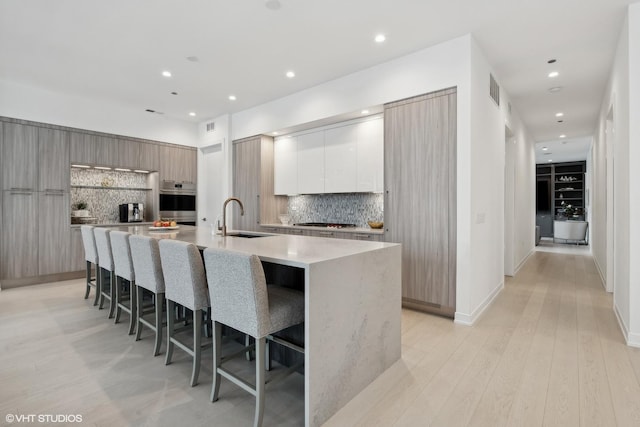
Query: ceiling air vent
[211,126]
[494,90]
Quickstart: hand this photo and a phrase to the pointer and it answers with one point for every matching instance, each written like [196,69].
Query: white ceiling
[115,50]
[563,150]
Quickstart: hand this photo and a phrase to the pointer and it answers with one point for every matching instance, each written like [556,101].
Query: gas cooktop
[325,225]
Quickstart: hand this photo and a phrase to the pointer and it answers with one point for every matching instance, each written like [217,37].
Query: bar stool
[91,256]
[148,270]
[105,258]
[185,284]
[124,271]
[242,300]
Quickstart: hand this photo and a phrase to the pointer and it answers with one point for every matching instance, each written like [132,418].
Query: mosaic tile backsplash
[115,188]
[349,208]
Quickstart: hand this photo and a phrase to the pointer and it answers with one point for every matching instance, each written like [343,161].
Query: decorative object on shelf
[375,224]
[284,219]
[107,182]
[80,210]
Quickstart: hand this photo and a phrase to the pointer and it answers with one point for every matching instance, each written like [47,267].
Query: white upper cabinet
[285,166]
[340,159]
[370,156]
[311,163]
[343,158]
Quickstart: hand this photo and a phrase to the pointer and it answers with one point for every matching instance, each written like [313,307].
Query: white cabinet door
[340,159]
[311,163]
[285,166]
[370,164]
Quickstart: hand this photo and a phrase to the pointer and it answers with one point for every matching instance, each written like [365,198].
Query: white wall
[621,242]
[41,105]
[480,160]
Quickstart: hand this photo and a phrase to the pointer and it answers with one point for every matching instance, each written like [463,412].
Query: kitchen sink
[246,235]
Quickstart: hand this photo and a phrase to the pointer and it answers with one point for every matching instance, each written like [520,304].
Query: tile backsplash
[348,208]
[115,188]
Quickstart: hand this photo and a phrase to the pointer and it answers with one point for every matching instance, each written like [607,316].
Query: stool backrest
[103,245]
[145,255]
[183,271]
[89,243]
[238,291]
[122,255]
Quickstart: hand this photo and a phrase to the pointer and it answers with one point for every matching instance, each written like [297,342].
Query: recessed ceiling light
[551,61]
[290,74]
[232,98]
[380,38]
[272,4]
[192,114]
[364,112]
[545,148]
[555,89]
[550,160]
[559,114]
[553,74]
[563,136]
[166,73]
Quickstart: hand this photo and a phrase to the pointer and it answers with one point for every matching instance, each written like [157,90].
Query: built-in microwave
[178,201]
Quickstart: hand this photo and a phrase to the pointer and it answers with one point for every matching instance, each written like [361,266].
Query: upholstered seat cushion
[286,307]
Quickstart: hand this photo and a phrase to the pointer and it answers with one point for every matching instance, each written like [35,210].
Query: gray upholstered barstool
[105,263]
[241,299]
[185,284]
[148,270]
[91,256]
[124,270]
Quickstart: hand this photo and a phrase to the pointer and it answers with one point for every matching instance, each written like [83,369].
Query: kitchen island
[352,306]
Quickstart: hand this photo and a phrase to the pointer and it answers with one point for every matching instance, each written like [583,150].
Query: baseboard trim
[470,319]
[602,278]
[623,326]
[524,261]
[37,280]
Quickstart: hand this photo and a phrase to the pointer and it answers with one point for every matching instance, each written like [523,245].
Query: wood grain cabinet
[253,183]
[420,196]
[53,234]
[19,157]
[178,163]
[82,148]
[18,248]
[149,156]
[53,149]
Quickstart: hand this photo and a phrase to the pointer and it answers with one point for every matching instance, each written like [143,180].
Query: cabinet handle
[326,233]
[366,236]
[53,190]
[296,231]
[54,194]
[26,193]
[21,189]
[258,200]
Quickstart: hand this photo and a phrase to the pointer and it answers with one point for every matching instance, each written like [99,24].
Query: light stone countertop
[341,230]
[297,251]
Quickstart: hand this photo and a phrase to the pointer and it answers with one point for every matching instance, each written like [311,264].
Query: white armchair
[570,230]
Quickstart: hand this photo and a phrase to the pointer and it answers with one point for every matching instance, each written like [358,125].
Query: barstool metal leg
[217,351]
[260,377]
[132,307]
[197,346]
[158,310]
[86,293]
[112,293]
[118,296]
[98,286]
[139,311]
[171,306]
[99,273]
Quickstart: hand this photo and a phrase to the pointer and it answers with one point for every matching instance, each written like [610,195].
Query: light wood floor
[547,352]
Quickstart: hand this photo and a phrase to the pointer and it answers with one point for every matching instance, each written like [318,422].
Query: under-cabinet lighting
[141,171]
[103,168]
[81,166]
[122,169]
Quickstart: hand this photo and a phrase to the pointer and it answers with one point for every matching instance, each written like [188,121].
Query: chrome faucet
[223,228]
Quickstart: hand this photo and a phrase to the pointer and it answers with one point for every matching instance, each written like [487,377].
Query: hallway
[547,352]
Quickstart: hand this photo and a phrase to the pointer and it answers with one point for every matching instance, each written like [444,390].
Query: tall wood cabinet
[253,184]
[420,196]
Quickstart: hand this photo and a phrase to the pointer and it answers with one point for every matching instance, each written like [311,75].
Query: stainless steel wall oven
[178,202]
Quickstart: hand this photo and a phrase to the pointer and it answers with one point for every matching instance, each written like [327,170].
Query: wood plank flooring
[548,352]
